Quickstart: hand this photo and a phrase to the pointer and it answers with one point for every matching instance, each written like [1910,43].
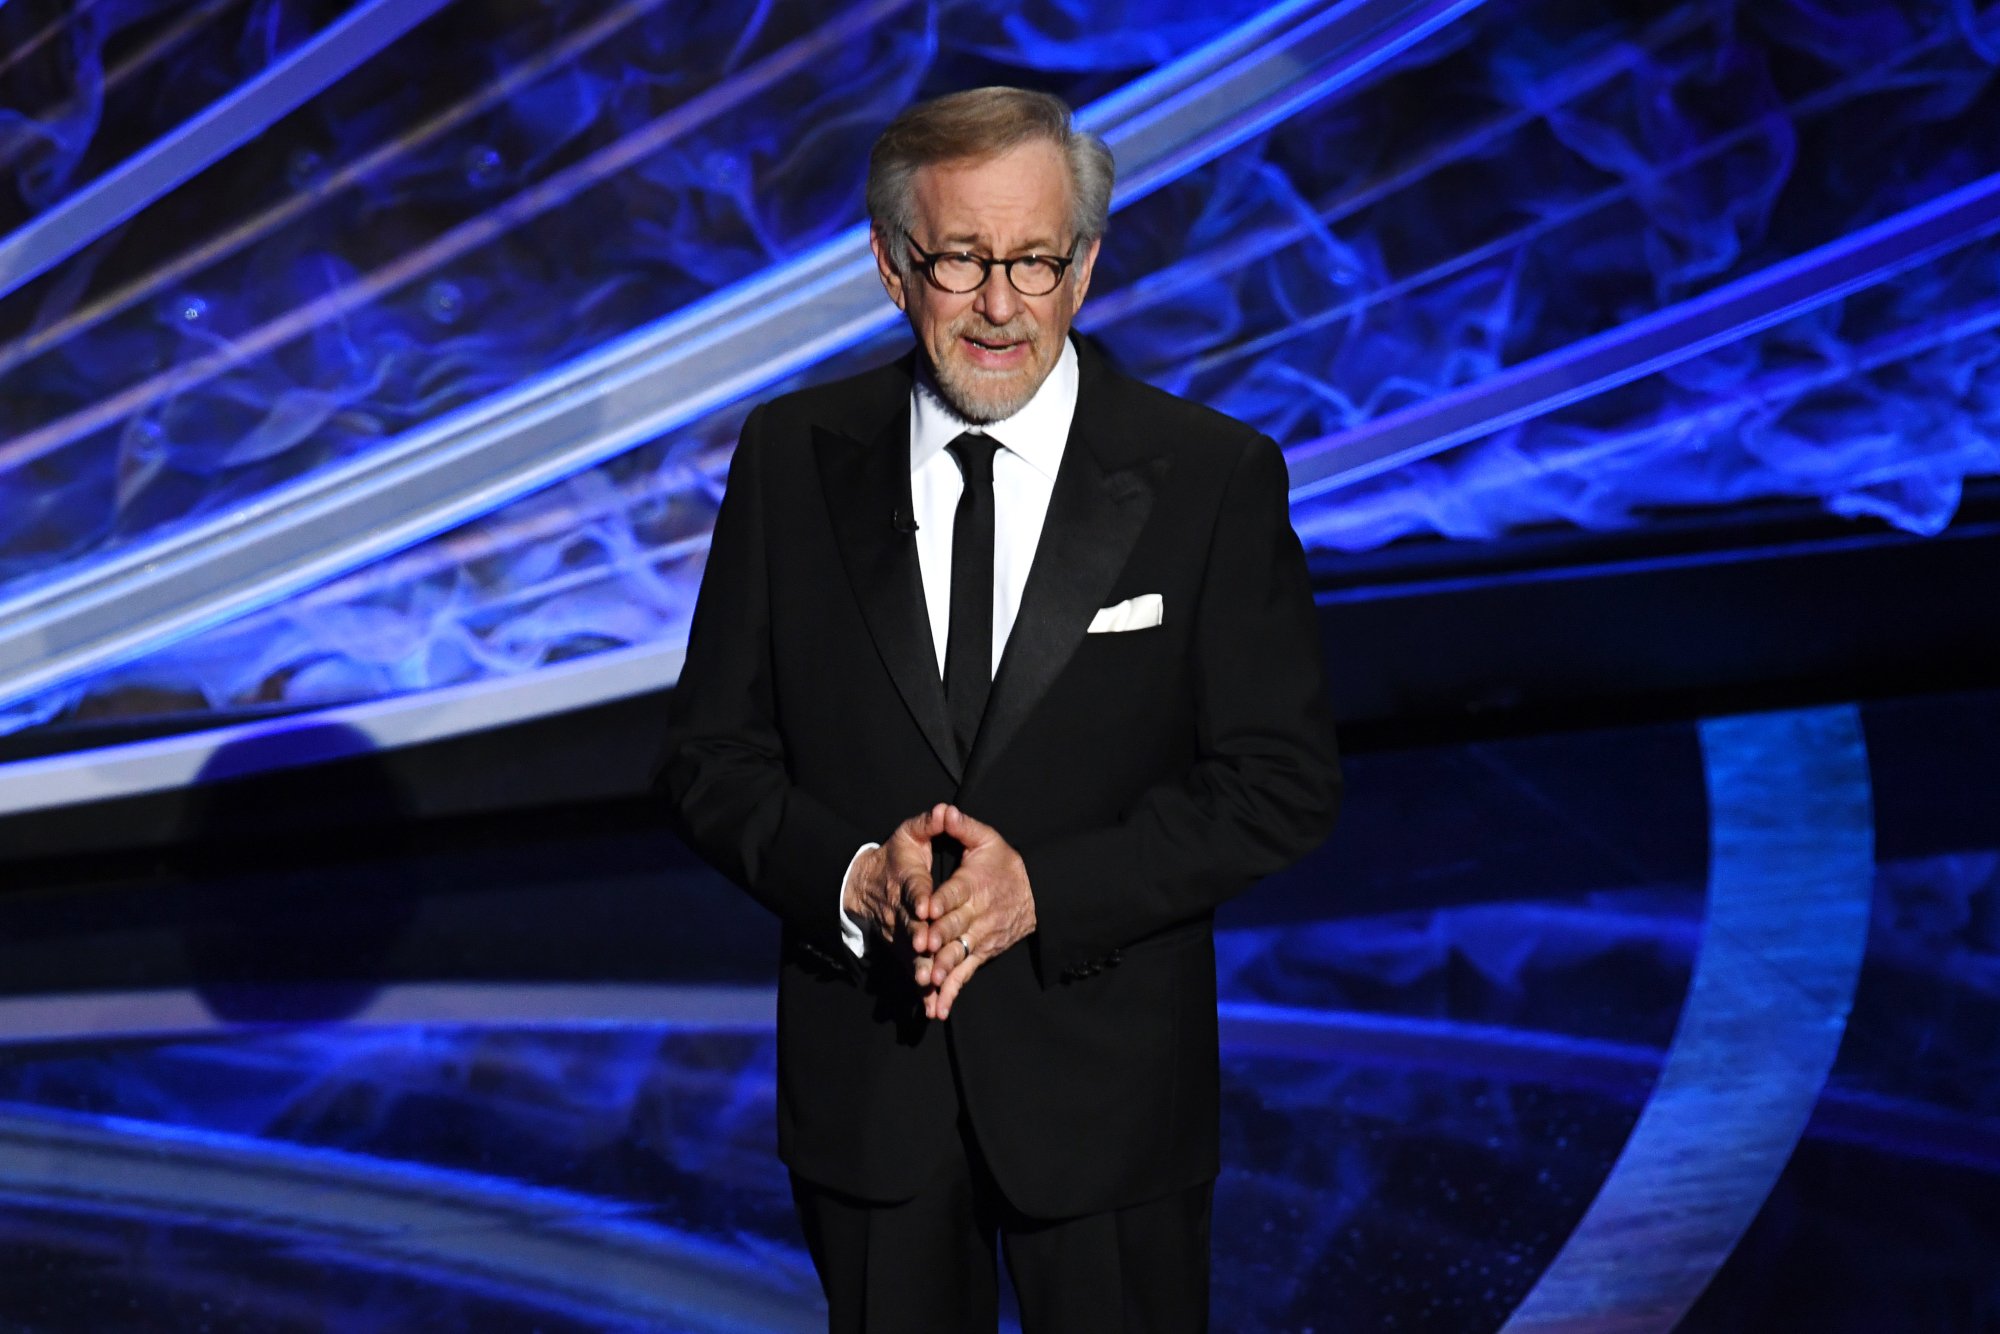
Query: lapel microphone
[903,521]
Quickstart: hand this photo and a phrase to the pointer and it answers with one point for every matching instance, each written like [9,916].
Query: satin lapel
[867,484]
[1102,498]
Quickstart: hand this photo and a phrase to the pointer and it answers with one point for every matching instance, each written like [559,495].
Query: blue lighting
[1352,262]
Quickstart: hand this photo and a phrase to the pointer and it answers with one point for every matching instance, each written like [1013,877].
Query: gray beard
[983,399]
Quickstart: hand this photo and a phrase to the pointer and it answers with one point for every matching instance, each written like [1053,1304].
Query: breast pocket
[1128,650]
[1130,676]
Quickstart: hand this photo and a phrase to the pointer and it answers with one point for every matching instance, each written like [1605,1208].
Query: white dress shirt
[1024,477]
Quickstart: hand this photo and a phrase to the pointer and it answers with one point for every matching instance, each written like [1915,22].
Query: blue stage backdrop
[1521,251]
[1488,269]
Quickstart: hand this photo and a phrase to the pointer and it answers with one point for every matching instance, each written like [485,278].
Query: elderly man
[1004,674]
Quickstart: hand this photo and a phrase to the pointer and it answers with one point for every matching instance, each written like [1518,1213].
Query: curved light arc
[1791,880]
[396,723]
[597,1259]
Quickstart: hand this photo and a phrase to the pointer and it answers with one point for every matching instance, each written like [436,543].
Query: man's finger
[923,826]
[948,898]
[931,970]
[948,895]
[954,983]
[958,922]
[951,926]
[966,829]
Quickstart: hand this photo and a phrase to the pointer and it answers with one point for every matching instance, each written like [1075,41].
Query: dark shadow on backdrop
[298,887]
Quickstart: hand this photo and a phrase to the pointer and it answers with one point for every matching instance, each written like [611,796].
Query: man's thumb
[964,828]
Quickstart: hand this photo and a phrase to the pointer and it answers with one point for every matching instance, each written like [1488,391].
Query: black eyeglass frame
[927,262]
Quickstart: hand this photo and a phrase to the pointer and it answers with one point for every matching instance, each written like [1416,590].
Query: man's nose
[998,301]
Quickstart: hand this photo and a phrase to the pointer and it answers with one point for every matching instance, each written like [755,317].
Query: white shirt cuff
[851,933]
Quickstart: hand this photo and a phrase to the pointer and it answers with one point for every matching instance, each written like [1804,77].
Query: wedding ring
[965,945]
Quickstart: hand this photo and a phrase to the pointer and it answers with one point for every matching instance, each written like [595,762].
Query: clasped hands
[983,910]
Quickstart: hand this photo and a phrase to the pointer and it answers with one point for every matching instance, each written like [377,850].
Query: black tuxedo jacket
[1144,776]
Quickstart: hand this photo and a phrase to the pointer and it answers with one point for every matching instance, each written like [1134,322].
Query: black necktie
[968,654]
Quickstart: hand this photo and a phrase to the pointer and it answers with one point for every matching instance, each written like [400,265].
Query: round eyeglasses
[959,272]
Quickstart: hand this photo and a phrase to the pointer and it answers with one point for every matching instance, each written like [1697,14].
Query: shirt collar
[1037,432]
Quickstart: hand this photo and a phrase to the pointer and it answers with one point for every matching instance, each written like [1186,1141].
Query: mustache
[978,327]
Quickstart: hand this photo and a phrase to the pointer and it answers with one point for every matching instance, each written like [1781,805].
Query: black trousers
[926,1265]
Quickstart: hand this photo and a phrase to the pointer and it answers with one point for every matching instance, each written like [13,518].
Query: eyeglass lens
[1032,275]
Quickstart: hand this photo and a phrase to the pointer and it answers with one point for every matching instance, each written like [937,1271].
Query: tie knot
[975,453]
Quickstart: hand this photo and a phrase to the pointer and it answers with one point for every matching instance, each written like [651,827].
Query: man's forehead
[1021,195]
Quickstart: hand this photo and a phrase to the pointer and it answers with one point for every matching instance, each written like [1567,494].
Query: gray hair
[983,123]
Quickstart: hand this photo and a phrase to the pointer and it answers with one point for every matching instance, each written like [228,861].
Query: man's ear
[892,279]
[1080,271]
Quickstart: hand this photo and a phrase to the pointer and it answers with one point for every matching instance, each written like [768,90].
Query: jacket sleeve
[1265,787]
[723,769]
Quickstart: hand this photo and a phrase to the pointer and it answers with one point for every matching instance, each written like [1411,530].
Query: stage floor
[527,1084]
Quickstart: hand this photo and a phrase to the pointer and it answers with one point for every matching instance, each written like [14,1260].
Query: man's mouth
[984,349]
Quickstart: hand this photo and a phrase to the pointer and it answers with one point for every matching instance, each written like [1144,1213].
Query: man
[998,600]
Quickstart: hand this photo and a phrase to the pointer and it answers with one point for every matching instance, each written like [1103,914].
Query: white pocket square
[1139,613]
